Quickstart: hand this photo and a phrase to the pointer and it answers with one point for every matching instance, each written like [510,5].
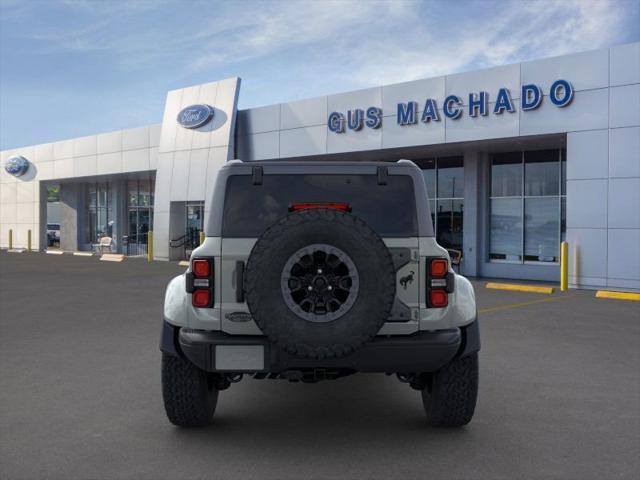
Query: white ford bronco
[318,270]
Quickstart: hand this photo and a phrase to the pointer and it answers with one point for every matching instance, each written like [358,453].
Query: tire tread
[188,400]
[454,390]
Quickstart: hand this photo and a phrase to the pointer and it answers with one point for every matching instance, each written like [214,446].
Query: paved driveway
[80,392]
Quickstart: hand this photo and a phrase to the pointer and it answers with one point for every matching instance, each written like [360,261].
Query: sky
[70,68]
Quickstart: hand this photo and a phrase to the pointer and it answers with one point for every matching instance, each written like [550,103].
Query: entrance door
[140,215]
[194,225]
[53,217]
[139,226]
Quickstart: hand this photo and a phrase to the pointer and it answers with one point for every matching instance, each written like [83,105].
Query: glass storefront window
[541,173]
[541,227]
[100,212]
[195,222]
[140,214]
[132,193]
[563,218]
[563,172]
[144,225]
[92,196]
[133,227]
[145,198]
[450,177]
[506,175]
[444,178]
[429,174]
[527,206]
[449,224]
[506,229]
[53,193]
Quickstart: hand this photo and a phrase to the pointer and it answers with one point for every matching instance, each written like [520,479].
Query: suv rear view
[319,270]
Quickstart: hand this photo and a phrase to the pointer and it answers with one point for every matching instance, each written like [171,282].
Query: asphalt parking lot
[80,392]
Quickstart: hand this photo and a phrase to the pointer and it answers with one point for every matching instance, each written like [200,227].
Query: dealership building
[516,159]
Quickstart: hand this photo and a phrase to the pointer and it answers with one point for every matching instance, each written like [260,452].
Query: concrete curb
[515,287]
[634,297]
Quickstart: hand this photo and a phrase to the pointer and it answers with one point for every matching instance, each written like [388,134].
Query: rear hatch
[388,206]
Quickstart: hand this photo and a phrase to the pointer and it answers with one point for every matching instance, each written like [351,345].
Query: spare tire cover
[320,283]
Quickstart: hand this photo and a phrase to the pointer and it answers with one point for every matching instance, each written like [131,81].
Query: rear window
[389,209]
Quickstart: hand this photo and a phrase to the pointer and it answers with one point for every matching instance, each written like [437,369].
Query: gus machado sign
[560,95]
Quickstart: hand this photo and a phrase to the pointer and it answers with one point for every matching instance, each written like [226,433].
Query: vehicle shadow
[363,410]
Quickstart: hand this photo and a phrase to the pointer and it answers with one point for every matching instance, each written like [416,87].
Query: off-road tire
[190,396]
[264,292]
[450,395]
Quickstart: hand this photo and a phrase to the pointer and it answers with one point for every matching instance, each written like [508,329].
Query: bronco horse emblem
[404,281]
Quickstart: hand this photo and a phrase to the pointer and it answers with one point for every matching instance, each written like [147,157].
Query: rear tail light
[439,267]
[201,298]
[440,282]
[345,207]
[438,298]
[200,268]
[199,282]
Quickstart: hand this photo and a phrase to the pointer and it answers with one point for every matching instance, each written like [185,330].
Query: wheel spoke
[344,282]
[306,261]
[306,301]
[320,282]
[295,284]
[335,303]
[333,261]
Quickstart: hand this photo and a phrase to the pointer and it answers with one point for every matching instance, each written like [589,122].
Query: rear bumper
[420,352]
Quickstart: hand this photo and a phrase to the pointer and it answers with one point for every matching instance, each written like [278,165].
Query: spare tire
[320,283]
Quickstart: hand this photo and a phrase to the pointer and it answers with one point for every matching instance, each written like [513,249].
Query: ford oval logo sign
[17,166]
[195,116]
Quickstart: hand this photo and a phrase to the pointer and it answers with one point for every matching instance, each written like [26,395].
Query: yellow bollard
[29,240]
[10,239]
[201,237]
[150,246]
[564,266]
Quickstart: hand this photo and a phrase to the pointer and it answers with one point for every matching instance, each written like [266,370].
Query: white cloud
[533,30]
[372,43]
[383,41]
[282,26]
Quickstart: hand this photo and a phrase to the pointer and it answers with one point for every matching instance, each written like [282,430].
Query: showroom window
[100,212]
[527,206]
[194,224]
[139,214]
[444,178]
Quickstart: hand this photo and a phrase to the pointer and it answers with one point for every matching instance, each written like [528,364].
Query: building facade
[516,159]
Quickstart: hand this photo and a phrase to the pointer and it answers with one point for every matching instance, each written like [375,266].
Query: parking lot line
[522,304]
[618,295]
[516,287]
